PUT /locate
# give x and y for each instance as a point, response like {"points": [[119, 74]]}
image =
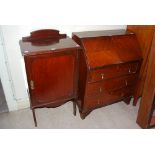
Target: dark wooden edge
{"points": [[121, 63], [86, 113], [152, 122], [135, 100], [42, 52], [57, 102], [128, 32], [79, 42], [83, 70]]}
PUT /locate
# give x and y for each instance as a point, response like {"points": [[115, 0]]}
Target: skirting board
{"points": [[18, 105], [22, 104]]}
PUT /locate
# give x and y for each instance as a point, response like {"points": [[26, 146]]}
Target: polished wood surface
{"points": [[145, 119], [40, 47], [52, 69], [106, 97], [91, 34], [53, 76], [109, 68], [110, 84], [113, 71], [117, 50], [144, 35]]}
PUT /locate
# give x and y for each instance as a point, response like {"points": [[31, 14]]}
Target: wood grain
{"points": [[146, 105], [144, 35], [108, 61], [51, 62]]}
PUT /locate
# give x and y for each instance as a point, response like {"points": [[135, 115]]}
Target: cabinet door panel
{"points": [[52, 76]]}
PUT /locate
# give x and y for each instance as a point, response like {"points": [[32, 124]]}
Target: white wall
{"points": [[4, 77], [11, 37]]}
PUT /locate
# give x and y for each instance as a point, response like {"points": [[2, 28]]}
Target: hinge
{"points": [[32, 84]]}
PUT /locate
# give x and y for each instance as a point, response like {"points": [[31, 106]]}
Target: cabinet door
{"points": [[51, 77]]}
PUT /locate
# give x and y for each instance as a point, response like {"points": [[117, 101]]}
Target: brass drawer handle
{"points": [[32, 84], [126, 82], [100, 89], [129, 70], [132, 72], [102, 76]]}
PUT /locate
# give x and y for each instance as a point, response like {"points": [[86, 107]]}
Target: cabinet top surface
{"points": [[42, 46], [87, 34], [104, 48]]}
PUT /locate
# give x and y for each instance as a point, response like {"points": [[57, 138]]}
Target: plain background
{"points": [[81, 12]]}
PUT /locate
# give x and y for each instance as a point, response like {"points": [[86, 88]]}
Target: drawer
{"points": [[111, 84], [120, 93], [113, 71], [106, 98]]}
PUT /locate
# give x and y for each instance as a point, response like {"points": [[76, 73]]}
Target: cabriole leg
{"points": [[127, 100], [74, 108], [34, 117], [135, 100]]}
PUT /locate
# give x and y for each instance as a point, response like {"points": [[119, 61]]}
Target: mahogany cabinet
{"points": [[146, 115], [109, 66], [144, 35], [51, 62]]}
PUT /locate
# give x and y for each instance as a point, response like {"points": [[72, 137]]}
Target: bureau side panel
{"points": [[83, 71]]}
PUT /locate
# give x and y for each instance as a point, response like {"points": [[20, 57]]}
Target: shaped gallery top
{"points": [[46, 40]]}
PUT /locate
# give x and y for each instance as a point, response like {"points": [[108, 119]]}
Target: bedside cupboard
{"points": [[51, 62]]}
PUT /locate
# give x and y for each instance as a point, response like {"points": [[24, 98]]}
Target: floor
{"points": [[3, 104], [116, 116]]}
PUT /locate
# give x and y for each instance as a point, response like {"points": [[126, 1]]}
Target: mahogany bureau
{"points": [[51, 62], [109, 66]]}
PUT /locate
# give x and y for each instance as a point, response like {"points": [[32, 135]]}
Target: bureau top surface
{"points": [[104, 48], [28, 48], [87, 34]]}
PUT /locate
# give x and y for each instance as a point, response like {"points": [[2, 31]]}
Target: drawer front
{"points": [[113, 71], [111, 84], [106, 98]]}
